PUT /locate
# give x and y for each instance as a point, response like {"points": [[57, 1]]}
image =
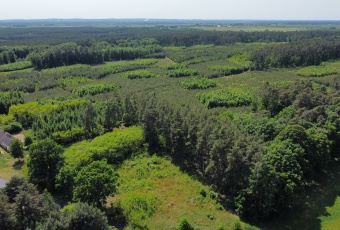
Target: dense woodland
{"points": [[254, 115]]}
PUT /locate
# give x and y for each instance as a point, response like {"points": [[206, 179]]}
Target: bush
{"points": [[94, 89], [181, 72], [69, 136], [138, 207], [16, 66], [220, 98], [28, 141], [230, 69], [197, 83], [184, 224], [139, 74], [13, 127], [316, 71]]}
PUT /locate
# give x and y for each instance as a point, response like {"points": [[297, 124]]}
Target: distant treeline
{"points": [[300, 53], [165, 35]]}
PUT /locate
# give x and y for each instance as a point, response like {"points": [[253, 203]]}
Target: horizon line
{"points": [[183, 19]]}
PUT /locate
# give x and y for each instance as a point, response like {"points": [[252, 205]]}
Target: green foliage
{"points": [[275, 182], [184, 224], [13, 187], [6, 119], [114, 146], [8, 218], [94, 183], [44, 163], [316, 71], [138, 207], [23, 207], [16, 66], [175, 66], [73, 80], [69, 136], [227, 98], [123, 66], [12, 127], [239, 58], [66, 69], [84, 216], [68, 117], [136, 74], [16, 148], [24, 113], [94, 89], [230, 69], [197, 83], [28, 140], [307, 52], [7, 99], [181, 72], [237, 225]]}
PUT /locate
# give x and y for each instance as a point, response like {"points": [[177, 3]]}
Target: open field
{"points": [[175, 195], [9, 167]]}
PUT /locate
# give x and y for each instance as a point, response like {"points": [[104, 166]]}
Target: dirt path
{"points": [[171, 61]]}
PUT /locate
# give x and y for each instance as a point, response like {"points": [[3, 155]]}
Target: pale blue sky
{"points": [[172, 9]]}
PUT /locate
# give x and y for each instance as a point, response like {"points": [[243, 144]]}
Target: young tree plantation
{"points": [[174, 126]]}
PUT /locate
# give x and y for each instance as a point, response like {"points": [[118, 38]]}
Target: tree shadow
{"points": [[313, 205], [18, 164]]}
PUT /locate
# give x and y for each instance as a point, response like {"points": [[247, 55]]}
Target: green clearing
{"points": [[9, 166], [332, 219], [172, 193]]}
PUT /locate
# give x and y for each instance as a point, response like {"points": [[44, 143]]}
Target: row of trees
{"points": [[72, 53]]}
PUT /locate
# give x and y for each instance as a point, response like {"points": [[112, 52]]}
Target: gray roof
{"points": [[5, 139]]}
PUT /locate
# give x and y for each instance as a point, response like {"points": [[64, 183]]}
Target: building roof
{"points": [[5, 139]]}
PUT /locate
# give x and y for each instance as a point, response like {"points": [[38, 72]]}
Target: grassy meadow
{"points": [[169, 195]]}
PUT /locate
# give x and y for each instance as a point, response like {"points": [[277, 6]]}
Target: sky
{"points": [[172, 9]]}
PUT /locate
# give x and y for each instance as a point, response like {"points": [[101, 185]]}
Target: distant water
{"points": [[2, 182]]}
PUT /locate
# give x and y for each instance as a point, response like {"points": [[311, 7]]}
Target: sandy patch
{"points": [[20, 136]]}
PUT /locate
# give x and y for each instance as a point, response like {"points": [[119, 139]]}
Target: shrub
{"points": [[184, 224], [69, 136], [138, 207], [181, 72], [197, 83], [94, 89], [139, 74], [316, 71], [230, 69], [220, 98], [16, 66]]}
